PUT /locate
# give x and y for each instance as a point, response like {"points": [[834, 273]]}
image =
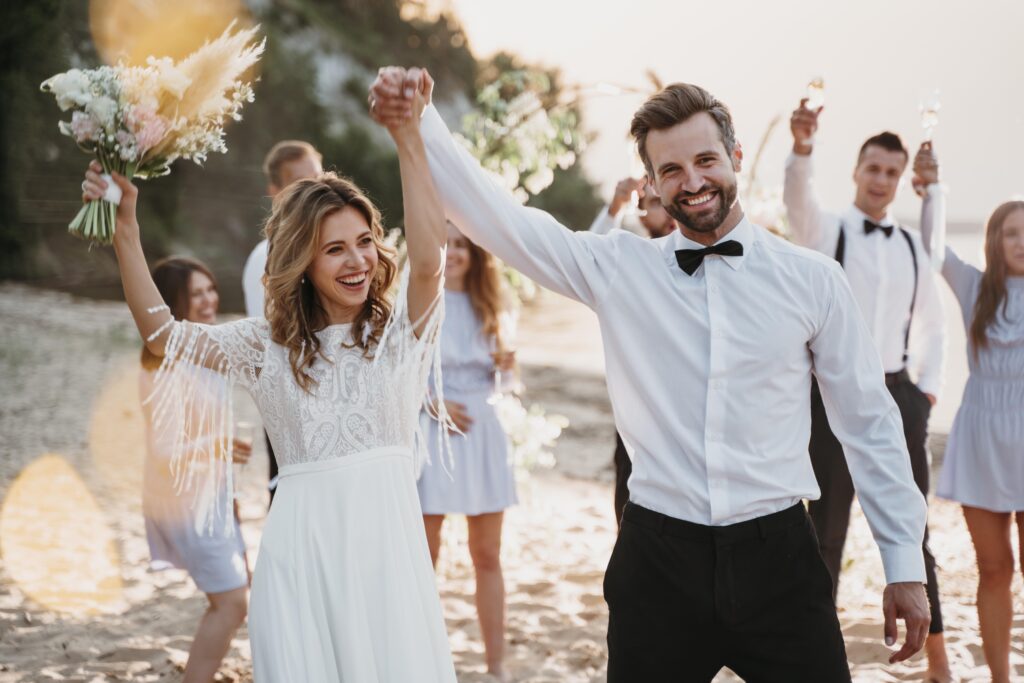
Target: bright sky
{"points": [[757, 56]]}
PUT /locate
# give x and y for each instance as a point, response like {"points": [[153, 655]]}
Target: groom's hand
{"points": [[393, 98], [905, 601]]}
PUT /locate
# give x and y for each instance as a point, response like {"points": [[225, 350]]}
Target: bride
{"points": [[343, 588]]}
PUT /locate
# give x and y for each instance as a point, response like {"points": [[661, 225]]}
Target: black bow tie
{"points": [[870, 227], [690, 259]]}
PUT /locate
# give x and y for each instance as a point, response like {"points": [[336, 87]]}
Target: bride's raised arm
{"points": [[152, 317], [426, 232]]}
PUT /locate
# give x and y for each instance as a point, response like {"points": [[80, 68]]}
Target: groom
{"points": [[716, 564]]}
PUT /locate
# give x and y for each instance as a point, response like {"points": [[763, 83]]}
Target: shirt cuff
{"points": [[798, 161], [903, 564], [931, 385], [936, 190]]}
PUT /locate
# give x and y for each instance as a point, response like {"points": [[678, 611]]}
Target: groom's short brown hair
{"points": [[673, 105]]}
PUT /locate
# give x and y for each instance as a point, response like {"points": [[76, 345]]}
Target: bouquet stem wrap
{"points": [[95, 221]]}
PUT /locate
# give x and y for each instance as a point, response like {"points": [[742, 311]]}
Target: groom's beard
{"points": [[711, 215]]}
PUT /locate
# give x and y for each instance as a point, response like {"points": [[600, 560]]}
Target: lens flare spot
{"points": [[132, 30], [55, 542], [117, 438]]}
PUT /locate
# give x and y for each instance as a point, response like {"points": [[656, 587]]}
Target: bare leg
{"points": [[223, 617], [433, 524], [990, 533], [485, 549], [938, 661]]}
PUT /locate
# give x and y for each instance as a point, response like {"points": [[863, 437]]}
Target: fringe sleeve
{"points": [[417, 360], [187, 399]]}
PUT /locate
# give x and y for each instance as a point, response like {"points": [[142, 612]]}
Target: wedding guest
{"points": [[216, 562], [343, 588], [476, 339], [716, 563], [286, 162], [888, 272], [983, 469], [655, 222]]}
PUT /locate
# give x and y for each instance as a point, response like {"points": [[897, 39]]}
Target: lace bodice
{"points": [[356, 404]]}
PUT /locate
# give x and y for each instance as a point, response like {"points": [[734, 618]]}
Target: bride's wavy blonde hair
{"points": [[293, 235]]}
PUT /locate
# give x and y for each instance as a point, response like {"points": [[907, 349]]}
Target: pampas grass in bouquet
{"points": [[137, 120]]}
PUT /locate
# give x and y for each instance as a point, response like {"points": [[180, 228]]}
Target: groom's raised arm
{"points": [[576, 265]]}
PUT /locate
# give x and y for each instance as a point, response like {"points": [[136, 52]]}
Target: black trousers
{"points": [[831, 513], [685, 600], [623, 468], [273, 466]]}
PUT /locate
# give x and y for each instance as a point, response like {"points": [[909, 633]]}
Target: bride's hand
{"points": [[94, 187], [398, 97]]}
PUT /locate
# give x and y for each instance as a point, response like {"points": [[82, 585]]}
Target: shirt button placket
{"points": [[715, 405]]}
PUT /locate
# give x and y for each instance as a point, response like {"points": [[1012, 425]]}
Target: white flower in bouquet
{"points": [[72, 89], [532, 433], [138, 120]]}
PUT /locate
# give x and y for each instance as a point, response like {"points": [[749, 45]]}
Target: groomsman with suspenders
{"points": [[892, 281], [286, 162], [654, 223]]}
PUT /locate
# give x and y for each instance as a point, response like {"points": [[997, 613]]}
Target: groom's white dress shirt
{"points": [[709, 375]]}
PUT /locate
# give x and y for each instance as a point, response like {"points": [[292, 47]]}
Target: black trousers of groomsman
{"points": [[686, 600], [831, 512]]}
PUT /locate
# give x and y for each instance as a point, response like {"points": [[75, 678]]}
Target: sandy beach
{"points": [[78, 601]]}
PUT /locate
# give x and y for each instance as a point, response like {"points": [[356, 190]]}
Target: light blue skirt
{"points": [[482, 477]]}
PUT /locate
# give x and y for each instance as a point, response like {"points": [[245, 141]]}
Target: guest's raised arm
{"points": [[426, 231], [802, 209], [577, 265], [960, 275]]}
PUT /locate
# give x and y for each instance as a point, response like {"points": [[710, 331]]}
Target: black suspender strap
{"points": [[841, 244], [913, 297], [841, 255]]}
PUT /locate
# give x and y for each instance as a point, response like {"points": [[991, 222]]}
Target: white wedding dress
{"points": [[343, 589]]}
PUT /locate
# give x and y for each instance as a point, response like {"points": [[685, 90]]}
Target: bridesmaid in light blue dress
{"points": [[475, 343], [983, 469], [215, 561]]}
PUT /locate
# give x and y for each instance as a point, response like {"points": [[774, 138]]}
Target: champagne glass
{"points": [[815, 93], [505, 380], [930, 114]]}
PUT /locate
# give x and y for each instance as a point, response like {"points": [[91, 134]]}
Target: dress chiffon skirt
{"points": [[344, 590]]}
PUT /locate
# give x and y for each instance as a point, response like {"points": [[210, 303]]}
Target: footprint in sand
{"points": [[535, 587], [585, 577]]}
